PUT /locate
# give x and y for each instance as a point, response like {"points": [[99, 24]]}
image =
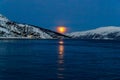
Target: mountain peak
{"points": [[102, 30], [108, 28]]}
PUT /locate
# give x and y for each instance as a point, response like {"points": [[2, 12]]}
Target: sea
{"points": [[70, 59]]}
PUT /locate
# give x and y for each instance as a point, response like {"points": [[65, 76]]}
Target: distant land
{"points": [[102, 33], [14, 30]]}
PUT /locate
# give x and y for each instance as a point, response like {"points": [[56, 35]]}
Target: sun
{"points": [[61, 29]]}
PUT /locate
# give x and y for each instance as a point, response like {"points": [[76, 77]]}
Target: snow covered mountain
{"points": [[10, 29], [110, 32]]}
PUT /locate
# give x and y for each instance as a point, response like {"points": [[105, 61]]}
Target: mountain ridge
{"points": [[10, 29], [109, 32]]}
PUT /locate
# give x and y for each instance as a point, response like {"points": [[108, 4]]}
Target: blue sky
{"points": [[77, 15]]}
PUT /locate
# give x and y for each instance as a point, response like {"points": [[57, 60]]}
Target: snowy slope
{"points": [[110, 32], [10, 29]]}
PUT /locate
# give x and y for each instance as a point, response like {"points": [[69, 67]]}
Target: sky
{"points": [[76, 15]]}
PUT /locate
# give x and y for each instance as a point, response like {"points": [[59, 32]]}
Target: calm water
{"points": [[50, 60]]}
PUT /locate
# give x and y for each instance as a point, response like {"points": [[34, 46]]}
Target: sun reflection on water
{"points": [[61, 60]]}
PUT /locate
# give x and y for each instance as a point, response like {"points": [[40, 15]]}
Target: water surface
{"points": [[55, 60]]}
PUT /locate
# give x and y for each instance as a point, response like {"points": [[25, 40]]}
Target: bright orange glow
{"points": [[61, 29]]}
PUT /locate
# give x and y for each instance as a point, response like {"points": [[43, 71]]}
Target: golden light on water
{"points": [[61, 60], [61, 49], [61, 29], [61, 42]]}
